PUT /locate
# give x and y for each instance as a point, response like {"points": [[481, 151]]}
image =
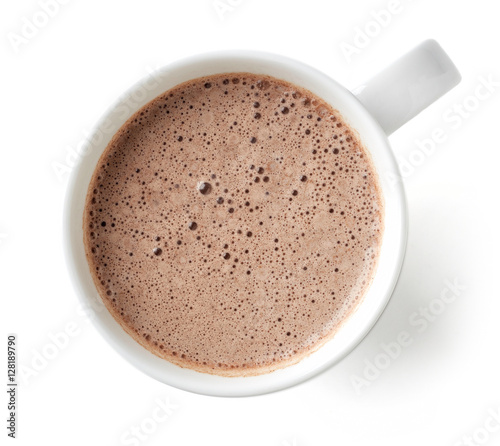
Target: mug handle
{"points": [[407, 86]]}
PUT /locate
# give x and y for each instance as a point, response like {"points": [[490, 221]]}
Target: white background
{"points": [[58, 82]]}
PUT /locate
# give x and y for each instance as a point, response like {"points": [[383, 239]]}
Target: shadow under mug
{"points": [[374, 110]]}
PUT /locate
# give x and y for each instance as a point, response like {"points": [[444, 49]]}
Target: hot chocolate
{"points": [[233, 224]]}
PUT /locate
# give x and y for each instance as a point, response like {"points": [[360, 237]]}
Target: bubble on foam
{"points": [[225, 256], [204, 188]]}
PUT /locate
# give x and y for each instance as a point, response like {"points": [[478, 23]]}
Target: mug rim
{"points": [[215, 385]]}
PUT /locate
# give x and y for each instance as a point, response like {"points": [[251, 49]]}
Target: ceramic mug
{"points": [[374, 110]]}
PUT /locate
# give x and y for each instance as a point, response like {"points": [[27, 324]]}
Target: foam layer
{"points": [[233, 224]]}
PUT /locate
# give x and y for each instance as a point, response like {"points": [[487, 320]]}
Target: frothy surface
{"points": [[233, 223]]}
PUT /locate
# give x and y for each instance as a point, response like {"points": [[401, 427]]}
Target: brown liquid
{"points": [[233, 224]]}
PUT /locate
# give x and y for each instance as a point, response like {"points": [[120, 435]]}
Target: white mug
{"points": [[374, 110]]}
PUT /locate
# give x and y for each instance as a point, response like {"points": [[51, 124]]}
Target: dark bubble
{"points": [[157, 238], [256, 104], [231, 210], [226, 256], [225, 81], [157, 251], [193, 225], [253, 139], [285, 110], [263, 85], [249, 234], [204, 188], [303, 178], [236, 80], [260, 171], [294, 193], [179, 138], [208, 85], [103, 224], [257, 116], [220, 200], [265, 179], [179, 242], [335, 151]]}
